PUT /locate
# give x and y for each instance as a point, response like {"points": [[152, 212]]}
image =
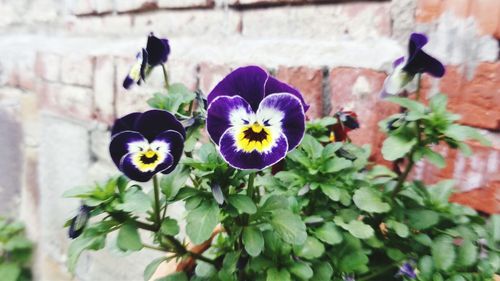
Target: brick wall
{"points": [[61, 74]]}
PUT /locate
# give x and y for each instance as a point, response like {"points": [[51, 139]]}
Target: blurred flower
{"points": [[155, 53], [79, 222], [349, 277], [405, 68], [254, 118], [144, 144], [346, 122], [407, 270]]}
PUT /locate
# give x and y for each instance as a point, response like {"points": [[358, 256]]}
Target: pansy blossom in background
{"points": [[405, 68], [346, 122], [144, 144], [255, 119], [407, 270], [155, 53], [79, 222]]}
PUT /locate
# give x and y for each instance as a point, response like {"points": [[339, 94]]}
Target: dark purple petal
{"points": [[79, 222], [417, 42], [247, 82], [132, 172], [153, 122], [273, 86], [127, 82], [251, 160], [119, 145], [219, 114], [126, 123], [157, 50], [293, 122], [424, 63], [407, 270], [176, 142]]}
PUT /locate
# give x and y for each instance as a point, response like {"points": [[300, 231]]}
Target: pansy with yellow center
{"points": [[255, 119], [144, 144]]}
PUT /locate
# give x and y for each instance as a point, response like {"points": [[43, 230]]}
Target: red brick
{"points": [[77, 70], [104, 89], [486, 14], [309, 81], [210, 74], [428, 10], [48, 66], [69, 101], [135, 5], [460, 8], [485, 199], [358, 90]]}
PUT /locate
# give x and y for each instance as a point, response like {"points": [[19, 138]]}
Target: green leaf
{"points": [[289, 227], [311, 249], [152, 266], [80, 244], [274, 203], [408, 103], [357, 228], [355, 261], [204, 269], [495, 225], [463, 133], [422, 219], [336, 164], [330, 149], [329, 233], [434, 158], [426, 266], [323, 271], [438, 103], [129, 238], [440, 193], [395, 147], [202, 221], [467, 253], [253, 240], [443, 252], [9, 271], [311, 146], [169, 227], [78, 192], [171, 184], [395, 254], [400, 228], [301, 270], [369, 200], [274, 274], [178, 276], [135, 200], [242, 203], [331, 191]]}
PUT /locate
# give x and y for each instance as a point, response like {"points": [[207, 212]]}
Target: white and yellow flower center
{"points": [[147, 156], [256, 131], [135, 71]]}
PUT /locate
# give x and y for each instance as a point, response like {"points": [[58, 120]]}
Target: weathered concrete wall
{"points": [[63, 62]]}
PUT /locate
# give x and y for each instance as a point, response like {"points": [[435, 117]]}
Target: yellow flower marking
{"points": [[147, 160], [254, 137]]}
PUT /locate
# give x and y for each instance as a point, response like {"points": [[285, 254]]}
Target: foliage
{"points": [[15, 251], [329, 214]]}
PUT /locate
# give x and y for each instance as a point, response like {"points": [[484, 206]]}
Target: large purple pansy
{"points": [[254, 118], [144, 144], [405, 68], [155, 53]]}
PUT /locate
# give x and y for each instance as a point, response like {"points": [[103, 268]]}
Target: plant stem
{"points": [[376, 273], [153, 247], [157, 211], [165, 76], [403, 177], [250, 188]]}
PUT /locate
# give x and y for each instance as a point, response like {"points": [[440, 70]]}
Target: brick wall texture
{"points": [[63, 62]]}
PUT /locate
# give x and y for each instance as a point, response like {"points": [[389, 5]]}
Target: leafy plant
{"points": [[15, 251]]}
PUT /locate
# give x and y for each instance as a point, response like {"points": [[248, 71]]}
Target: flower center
{"points": [[254, 137]]}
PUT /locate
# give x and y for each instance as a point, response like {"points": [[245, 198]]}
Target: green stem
{"points": [[376, 273], [250, 188], [165, 76], [157, 211], [153, 247]]}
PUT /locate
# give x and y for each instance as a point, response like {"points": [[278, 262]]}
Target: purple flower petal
{"points": [[417, 42], [129, 167], [419, 61], [274, 86], [126, 123], [284, 110], [153, 122], [120, 142], [254, 160], [157, 49], [223, 112], [247, 82], [176, 142], [398, 62]]}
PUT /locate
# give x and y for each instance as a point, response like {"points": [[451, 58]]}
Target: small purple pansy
{"points": [[405, 68], [255, 119], [144, 144], [407, 270], [155, 53]]}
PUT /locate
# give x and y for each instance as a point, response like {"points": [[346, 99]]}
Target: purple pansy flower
{"points": [[405, 68], [255, 119], [407, 270], [79, 222], [155, 53], [144, 144]]}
